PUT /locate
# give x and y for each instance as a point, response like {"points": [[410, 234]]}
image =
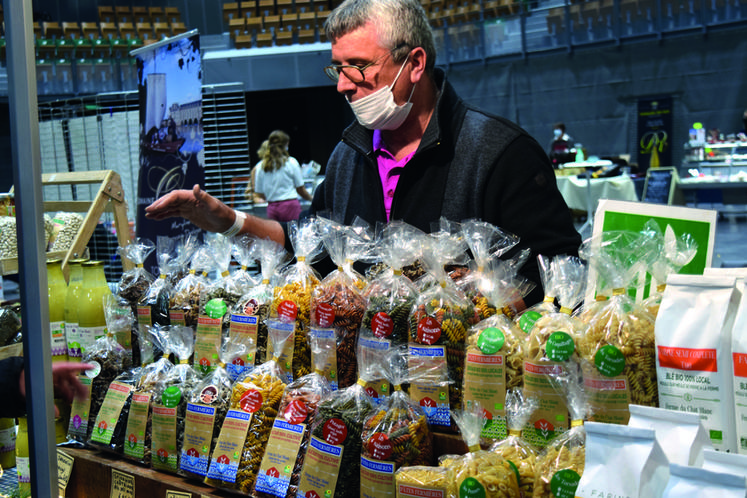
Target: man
{"points": [[416, 151]]}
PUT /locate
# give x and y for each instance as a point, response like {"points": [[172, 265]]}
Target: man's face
{"points": [[361, 47]]}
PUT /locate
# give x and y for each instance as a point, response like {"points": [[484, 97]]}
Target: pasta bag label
{"points": [[287, 311], [285, 358], [419, 491], [377, 389], [108, 416], [377, 477], [321, 468], [485, 381], [563, 483], [137, 425], [551, 417], [283, 446], [325, 315], [382, 325], [224, 463], [243, 330], [429, 330], [610, 398], [143, 315], [78, 426], [163, 439], [207, 343], [471, 488], [198, 435], [429, 362], [528, 319], [327, 341]]}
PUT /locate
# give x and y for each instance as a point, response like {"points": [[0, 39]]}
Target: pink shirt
{"points": [[389, 169]]}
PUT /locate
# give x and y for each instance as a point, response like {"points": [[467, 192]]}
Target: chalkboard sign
{"points": [[659, 186]]}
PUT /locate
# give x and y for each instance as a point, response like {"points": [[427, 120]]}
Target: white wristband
{"points": [[238, 223]]}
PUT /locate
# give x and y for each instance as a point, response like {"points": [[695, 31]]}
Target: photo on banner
{"points": [[172, 150]]}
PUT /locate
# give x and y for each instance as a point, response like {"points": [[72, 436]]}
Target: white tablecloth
{"points": [[619, 188]]}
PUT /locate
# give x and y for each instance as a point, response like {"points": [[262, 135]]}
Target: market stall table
{"points": [[619, 188]]}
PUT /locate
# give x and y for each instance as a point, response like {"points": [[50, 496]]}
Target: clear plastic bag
{"points": [[184, 307], [155, 303], [134, 283], [242, 248]]}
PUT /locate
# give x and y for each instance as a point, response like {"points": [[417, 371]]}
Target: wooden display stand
{"points": [[110, 196]]}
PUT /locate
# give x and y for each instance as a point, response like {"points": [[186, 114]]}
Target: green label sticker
{"points": [[216, 308], [560, 346], [171, 396], [564, 482], [491, 340], [609, 361], [528, 319], [471, 488]]}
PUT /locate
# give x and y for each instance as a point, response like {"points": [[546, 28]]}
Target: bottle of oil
{"points": [[71, 308], [7, 443], [23, 467], [91, 317], [57, 289]]}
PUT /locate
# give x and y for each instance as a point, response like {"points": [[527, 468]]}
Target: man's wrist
{"points": [[238, 224]]}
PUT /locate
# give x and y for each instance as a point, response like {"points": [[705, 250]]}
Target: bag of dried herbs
{"points": [[337, 303], [390, 296], [291, 301], [242, 249], [395, 435], [184, 307], [487, 243], [438, 324], [170, 399], [10, 325], [479, 472], [331, 466], [185, 247], [149, 378], [109, 359], [249, 315], [495, 350], [153, 307], [514, 448], [206, 411], [255, 399], [552, 344], [281, 465], [120, 322], [134, 283], [215, 301]]}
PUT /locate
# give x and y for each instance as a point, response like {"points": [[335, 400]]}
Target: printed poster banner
{"points": [[654, 132], [172, 151]]}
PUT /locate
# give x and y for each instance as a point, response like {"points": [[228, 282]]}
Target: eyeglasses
{"points": [[355, 73]]}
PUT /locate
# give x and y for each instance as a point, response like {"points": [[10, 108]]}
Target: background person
{"points": [[278, 179], [560, 146], [416, 151]]}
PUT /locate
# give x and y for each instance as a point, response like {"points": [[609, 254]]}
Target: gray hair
{"points": [[398, 23]]}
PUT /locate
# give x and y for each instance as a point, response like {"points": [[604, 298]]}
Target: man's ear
{"points": [[417, 60]]}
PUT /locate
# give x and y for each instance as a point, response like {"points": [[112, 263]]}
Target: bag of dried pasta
{"points": [[494, 360], [206, 410], [184, 307], [291, 301], [153, 307], [337, 303], [618, 342], [486, 242], [134, 283], [420, 480], [479, 472], [332, 463], [550, 345], [514, 448], [249, 315], [673, 253], [149, 377], [527, 318], [438, 325], [280, 470], [171, 398], [395, 435], [255, 399], [242, 248], [559, 466]]}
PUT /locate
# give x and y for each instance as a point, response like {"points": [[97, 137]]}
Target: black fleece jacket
{"points": [[469, 165]]}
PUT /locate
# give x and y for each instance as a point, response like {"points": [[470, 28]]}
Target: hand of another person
{"points": [[67, 386], [195, 205]]}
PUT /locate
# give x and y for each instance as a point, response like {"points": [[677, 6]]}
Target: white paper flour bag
{"points": [[680, 434], [729, 463], [694, 482], [693, 347], [739, 359], [622, 461]]}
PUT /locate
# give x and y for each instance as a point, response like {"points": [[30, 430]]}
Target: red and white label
{"points": [[335, 431], [700, 360], [382, 325], [325, 315], [429, 330], [740, 364], [379, 446], [287, 311], [251, 401], [296, 412], [371, 392]]}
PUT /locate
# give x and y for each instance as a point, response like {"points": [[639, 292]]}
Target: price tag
{"points": [[64, 470], [123, 485], [178, 494]]}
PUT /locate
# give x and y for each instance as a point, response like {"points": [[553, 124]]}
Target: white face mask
{"points": [[378, 111], [556, 132]]}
